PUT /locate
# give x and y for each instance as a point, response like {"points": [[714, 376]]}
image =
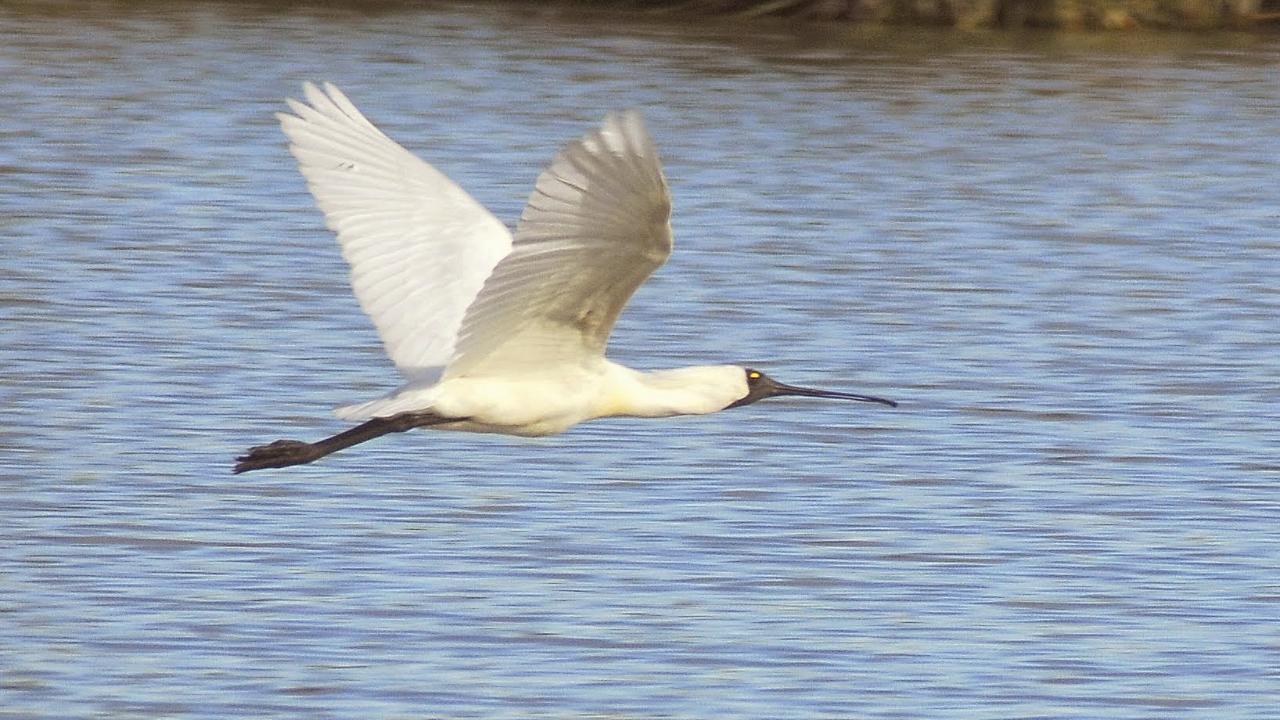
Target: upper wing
{"points": [[596, 226], [419, 246]]}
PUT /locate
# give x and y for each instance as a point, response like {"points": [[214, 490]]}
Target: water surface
{"points": [[1058, 253]]}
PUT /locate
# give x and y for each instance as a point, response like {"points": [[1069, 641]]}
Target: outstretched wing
{"points": [[596, 226], [419, 246]]}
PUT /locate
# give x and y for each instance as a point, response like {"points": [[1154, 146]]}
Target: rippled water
{"points": [[1060, 253]]}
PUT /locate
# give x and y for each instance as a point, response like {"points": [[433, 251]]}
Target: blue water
{"points": [[1061, 254]]}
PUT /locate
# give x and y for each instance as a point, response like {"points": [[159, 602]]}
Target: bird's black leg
{"points": [[283, 453]]}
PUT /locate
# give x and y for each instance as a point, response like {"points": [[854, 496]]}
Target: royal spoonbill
{"points": [[495, 333]]}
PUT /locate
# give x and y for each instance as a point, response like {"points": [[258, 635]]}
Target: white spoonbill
{"points": [[495, 333]]}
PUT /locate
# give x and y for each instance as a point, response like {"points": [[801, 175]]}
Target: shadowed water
{"points": [[1060, 254]]}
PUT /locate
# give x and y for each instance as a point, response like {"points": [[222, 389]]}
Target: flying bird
{"points": [[493, 332]]}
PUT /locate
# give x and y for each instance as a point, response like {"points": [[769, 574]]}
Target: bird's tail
{"points": [[410, 398]]}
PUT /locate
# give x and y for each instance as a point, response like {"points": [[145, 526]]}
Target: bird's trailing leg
{"points": [[283, 453]]}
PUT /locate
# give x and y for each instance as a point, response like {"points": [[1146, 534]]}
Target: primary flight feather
{"points": [[495, 333]]}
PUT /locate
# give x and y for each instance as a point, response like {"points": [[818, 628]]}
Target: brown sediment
{"points": [[974, 14]]}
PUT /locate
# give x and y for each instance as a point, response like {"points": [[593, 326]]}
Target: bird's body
{"points": [[493, 332], [548, 401]]}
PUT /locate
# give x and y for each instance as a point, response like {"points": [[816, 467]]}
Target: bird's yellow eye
{"points": [[754, 375]]}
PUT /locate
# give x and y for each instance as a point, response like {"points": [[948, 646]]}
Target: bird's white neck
{"points": [[663, 393]]}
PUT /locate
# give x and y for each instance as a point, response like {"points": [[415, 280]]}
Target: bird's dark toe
{"points": [[281, 453]]}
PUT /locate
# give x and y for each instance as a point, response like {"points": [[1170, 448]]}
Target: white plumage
{"points": [[419, 246], [495, 333]]}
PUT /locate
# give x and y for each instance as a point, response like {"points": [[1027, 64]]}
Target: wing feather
{"points": [[595, 228], [418, 245]]}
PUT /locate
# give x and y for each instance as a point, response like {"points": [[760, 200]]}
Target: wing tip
{"points": [[323, 96], [629, 126]]}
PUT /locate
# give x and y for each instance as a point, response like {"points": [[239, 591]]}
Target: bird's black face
{"points": [[761, 386]]}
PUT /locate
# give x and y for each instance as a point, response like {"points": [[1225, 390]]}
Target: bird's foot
{"points": [[281, 453]]}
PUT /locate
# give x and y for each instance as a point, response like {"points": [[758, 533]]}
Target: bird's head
{"points": [[760, 386]]}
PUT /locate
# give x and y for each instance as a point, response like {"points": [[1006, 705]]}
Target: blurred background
{"points": [[1058, 251]]}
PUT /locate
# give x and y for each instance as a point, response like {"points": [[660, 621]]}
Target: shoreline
{"points": [[1069, 15]]}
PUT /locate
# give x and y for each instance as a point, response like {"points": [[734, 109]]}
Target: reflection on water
{"points": [[1058, 252]]}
